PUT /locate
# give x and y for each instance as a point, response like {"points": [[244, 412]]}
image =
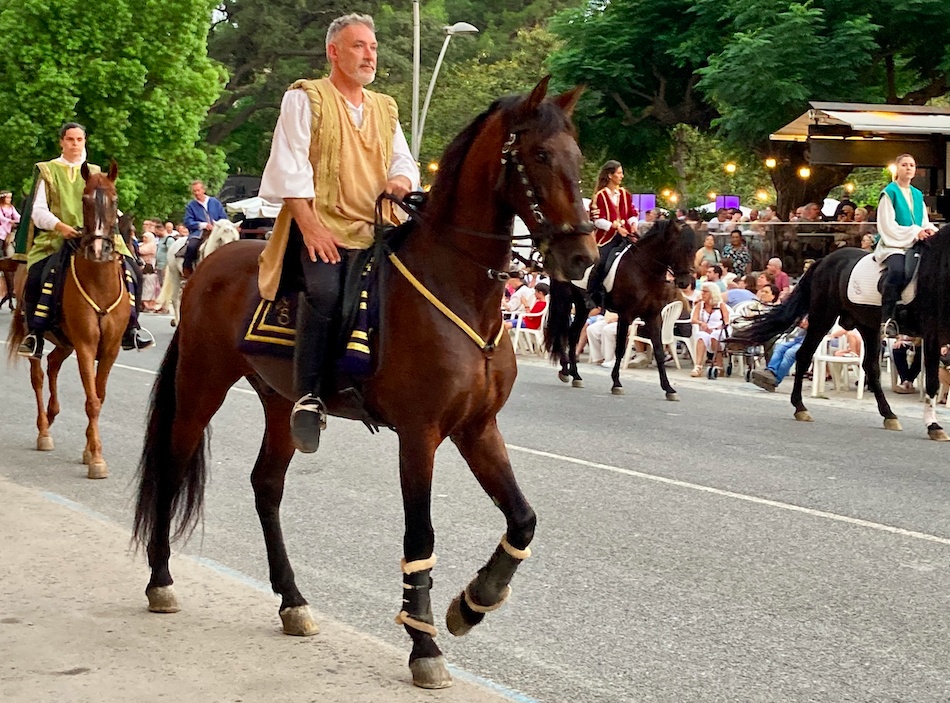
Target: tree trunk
{"points": [[680, 151], [792, 190]]}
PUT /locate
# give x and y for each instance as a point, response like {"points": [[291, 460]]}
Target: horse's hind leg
{"points": [[277, 449], [931, 352], [44, 441], [416, 457], [54, 363], [484, 450], [197, 392], [817, 329]]}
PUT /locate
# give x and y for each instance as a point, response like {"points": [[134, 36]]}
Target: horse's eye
{"points": [[542, 157]]}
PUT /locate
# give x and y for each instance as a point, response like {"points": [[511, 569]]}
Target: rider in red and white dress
{"points": [[615, 222]]}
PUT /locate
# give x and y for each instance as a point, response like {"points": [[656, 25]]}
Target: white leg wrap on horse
{"points": [[405, 618], [486, 608], [514, 552], [412, 567], [930, 411]]}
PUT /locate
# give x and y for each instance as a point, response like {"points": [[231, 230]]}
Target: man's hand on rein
{"points": [[400, 186]]}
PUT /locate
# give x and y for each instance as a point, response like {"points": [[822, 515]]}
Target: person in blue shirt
{"points": [[200, 216]]}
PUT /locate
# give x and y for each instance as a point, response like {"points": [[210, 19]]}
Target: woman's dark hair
{"points": [[68, 126], [606, 171], [774, 289], [750, 283], [543, 288]]}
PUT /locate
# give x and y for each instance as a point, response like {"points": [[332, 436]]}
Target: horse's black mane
{"points": [[659, 230], [548, 119], [933, 278]]}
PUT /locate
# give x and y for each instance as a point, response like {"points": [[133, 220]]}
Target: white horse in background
{"points": [[223, 232]]}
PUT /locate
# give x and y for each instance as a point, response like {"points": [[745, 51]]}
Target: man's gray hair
{"points": [[341, 23]]}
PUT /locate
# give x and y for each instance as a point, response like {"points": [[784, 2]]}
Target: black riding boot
{"points": [[37, 275], [596, 294], [891, 294], [132, 339], [889, 299], [309, 416]]}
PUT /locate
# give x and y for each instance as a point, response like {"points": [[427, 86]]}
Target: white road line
{"points": [[155, 373], [737, 496], [880, 527]]}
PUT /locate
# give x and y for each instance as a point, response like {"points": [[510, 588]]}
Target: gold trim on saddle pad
{"points": [[260, 331]]}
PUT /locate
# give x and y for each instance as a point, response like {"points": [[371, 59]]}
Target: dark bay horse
{"points": [[821, 294], [519, 157], [95, 313], [641, 289]]}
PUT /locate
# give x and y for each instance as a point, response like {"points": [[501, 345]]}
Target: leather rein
{"points": [[510, 156]]}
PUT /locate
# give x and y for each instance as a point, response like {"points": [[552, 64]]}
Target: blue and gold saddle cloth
{"points": [[271, 325]]}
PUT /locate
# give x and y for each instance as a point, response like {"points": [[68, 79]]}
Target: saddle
{"points": [[271, 325], [611, 265], [866, 280]]}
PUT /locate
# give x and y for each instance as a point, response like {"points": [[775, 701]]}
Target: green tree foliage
{"points": [[744, 68], [266, 45], [136, 75]]}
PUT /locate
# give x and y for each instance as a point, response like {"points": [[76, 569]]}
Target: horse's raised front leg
{"points": [[416, 457], [93, 451], [623, 327], [654, 332], [484, 450], [871, 338], [931, 352], [44, 441], [267, 479]]}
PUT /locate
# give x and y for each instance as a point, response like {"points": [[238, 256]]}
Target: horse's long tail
{"points": [[17, 334], [171, 486], [557, 331], [780, 318]]}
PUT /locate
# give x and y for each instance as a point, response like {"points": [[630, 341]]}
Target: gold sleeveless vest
{"points": [[350, 170]]}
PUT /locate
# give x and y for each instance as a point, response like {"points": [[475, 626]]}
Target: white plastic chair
{"points": [[688, 342], [531, 339], [825, 361], [668, 317]]}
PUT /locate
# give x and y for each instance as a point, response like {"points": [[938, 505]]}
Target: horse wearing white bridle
{"points": [[223, 232]]}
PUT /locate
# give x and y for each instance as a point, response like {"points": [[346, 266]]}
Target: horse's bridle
{"points": [[510, 156]]}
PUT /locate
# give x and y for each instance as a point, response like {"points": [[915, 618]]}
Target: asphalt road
{"points": [[707, 550]]}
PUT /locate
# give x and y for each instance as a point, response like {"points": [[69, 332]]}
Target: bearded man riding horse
{"points": [[56, 215], [442, 277]]}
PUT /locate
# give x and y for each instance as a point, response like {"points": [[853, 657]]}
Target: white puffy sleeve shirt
{"points": [[895, 238], [289, 173]]}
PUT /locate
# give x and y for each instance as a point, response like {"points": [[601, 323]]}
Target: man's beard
{"points": [[366, 75]]}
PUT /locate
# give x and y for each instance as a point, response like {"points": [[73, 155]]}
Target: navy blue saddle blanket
{"points": [[270, 327]]}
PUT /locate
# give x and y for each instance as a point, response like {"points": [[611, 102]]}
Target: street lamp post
{"points": [[419, 121]]}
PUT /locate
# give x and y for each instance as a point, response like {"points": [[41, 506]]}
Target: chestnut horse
{"points": [[519, 157], [95, 312]]}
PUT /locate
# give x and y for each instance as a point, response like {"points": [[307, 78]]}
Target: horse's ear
{"points": [[113, 170], [537, 95], [567, 101], [84, 171]]}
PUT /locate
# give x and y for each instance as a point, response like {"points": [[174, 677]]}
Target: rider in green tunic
{"points": [[55, 216]]}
